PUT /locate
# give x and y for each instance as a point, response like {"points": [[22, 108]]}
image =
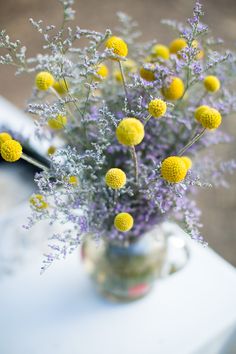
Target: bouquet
{"points": [[125, 123]]}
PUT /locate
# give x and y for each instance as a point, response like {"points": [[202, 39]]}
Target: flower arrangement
{"points": [[131, 119]]}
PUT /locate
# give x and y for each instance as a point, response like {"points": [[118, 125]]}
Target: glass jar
{"points": [[125, 271]]}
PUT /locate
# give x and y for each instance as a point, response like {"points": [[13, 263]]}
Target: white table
{"points": [[190, 312]]}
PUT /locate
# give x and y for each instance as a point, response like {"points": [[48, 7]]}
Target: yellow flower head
{"points": [[38, 202], [176, 45], [115, 178], [57, 123], [173, 169], [147, 74], [130, 132], [187, 161], [129, 65], [212, 83], [123, 222], [157, 108], [117, 75], [102, 70], [161, 51], [210, 118], [175, 90], [118, 46], [44, 80], [200, 54], [198, 112], [11, 150], [73, 180], [51, 150], [61, 86], [4, 137]]}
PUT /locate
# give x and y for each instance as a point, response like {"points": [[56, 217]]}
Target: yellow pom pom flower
{"points": [[161, 51], [147, 74], [123, 222], [118, 46], [115, 178], [117, 75], [51, 150], [210, 118], [61, 86], [130, 132], [73, 180], [187, 161], [175, 90], [157, 108], [212, 83], [44, 80], [176, 45], [11, 150], [199, 111], [57, 123], [173, 169], [4, 137], [38, 202], [200, 54], [102, 70]]}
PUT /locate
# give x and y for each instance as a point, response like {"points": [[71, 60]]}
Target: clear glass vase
{"points": [[125, 271]]}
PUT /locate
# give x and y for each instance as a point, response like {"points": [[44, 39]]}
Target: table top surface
{"points": [[60, 312]]}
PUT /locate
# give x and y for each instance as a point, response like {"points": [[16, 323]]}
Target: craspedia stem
{"points": [[135, 160], [34, 162], [193, 141], [123, 80], [146, 120]]}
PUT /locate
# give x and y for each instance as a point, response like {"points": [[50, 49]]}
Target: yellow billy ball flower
{"points": [[4, 137], [115, 178], [130, 132], [11, 150], [200, 54], [118, 46], [161, 51], [198, 112], [175, 90], [176, 45], [117, 75], [73, 180], [187, 161], [157, 108], [38, 202], [123, 222], [44, 80], [212, 83], [102, 70], [173, 169], [211, 118], [147, 74], [61, 86], [51, 150], [57, 123]]}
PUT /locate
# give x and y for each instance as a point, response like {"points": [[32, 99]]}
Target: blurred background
{"points": [[218, 207]]}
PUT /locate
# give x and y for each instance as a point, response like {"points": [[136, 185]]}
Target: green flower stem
{"points": [[147, 119], [193, 141], [135, 160], [34, 162], [123, 79]]}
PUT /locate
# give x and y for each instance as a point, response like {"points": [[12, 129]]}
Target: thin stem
{"points": [[123, 80], [115, 197], [147, 119], [193, 141], [135, 160], [34, 162]]}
